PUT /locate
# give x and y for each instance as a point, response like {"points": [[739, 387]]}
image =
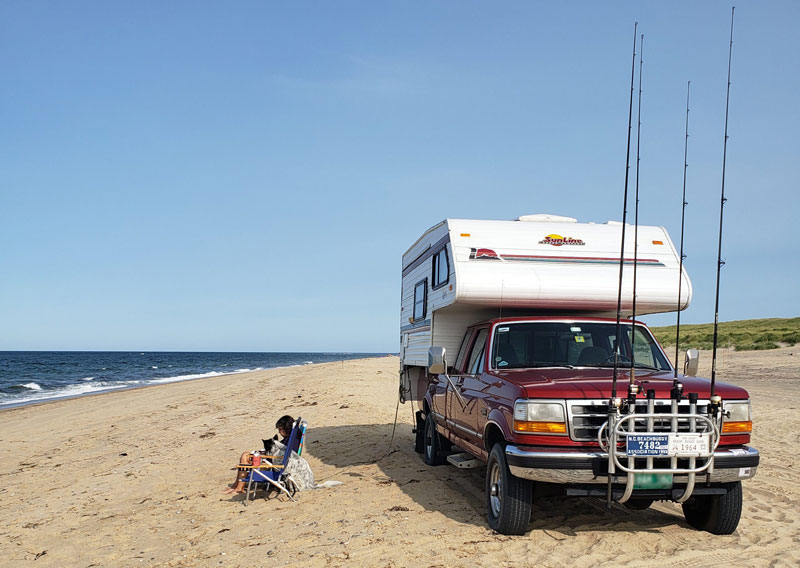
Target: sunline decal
{"points": [[489, 254], [558, 240]]}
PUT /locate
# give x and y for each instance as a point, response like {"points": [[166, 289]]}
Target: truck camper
{"points": [[511, 352]]}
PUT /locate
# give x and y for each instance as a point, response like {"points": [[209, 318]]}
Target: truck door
{"points": [[439, 398], [440, 388], [462, 393]]}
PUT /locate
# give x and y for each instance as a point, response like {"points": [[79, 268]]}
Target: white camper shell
{"points": [[461, 271]]}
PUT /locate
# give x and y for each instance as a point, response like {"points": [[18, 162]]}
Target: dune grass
{"points": [[742, 335]]}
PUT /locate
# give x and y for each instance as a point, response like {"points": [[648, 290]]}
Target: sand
{"points": [[135, 478]]}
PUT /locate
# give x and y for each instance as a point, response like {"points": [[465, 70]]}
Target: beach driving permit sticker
{"points": [[578, 339]]}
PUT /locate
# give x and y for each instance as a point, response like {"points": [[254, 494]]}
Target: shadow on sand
{"points": [[459, 493]]}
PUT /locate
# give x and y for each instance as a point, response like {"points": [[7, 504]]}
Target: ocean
{"points": [[36, 376]]}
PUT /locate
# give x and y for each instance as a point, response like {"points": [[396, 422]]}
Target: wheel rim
{"points": [[495, 490]]}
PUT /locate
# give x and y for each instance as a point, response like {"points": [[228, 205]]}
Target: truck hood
{"points": [[596, 383]]}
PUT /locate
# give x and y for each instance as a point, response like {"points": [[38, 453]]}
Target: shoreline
{"points": [[124, 388], [163, 382]]}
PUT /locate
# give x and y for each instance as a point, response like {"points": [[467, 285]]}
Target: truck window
{"points": [[420, 299], [440, 272], [476, 355], [643, 347], [462, 351], [583, 344]]}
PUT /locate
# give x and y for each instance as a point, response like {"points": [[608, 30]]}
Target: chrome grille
{"points": [[587, 416]]}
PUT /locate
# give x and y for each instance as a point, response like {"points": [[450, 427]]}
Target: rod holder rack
{"points": [[620, 426]]}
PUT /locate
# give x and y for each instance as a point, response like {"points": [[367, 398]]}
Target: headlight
{"points": [[532, 417], [737, 418]]}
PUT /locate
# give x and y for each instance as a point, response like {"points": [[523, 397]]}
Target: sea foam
{"points": [[67, 391], [179, 378]]}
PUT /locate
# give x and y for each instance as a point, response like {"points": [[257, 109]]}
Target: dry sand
{"points": [[134, 479]]}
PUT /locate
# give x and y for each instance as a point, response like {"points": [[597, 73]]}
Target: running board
{"points": [[463, 460]]}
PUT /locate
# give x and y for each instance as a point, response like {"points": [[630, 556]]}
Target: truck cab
{"points": [[530, 397]]}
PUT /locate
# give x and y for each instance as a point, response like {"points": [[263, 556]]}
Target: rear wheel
{"points": [[717, 514], [508, 498], [433, 445], [419, 436]]}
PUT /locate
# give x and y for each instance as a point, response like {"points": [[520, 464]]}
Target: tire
{"points": [[432, 443], [717, 514], [508, 498], [419, 437], [638, 504]]}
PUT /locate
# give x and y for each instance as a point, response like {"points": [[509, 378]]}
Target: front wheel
{"points": [[508, 498], [717, 514]]}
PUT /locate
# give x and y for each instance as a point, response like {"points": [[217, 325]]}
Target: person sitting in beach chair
{"points": [[284, 471], [284, 426]]}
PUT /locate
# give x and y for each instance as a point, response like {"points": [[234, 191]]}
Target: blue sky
{"points": [[245, 176]]}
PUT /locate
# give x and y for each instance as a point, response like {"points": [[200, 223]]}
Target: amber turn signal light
{"points": [[540, 427], [737, 427]]}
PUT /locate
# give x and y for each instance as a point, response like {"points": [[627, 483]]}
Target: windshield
{"points": [[574, 344]]}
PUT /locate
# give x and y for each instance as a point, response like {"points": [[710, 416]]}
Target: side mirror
{"points": [[437, 363], [691, 362]]}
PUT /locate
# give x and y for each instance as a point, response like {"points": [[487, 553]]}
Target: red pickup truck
{"points": [[530, 397]]}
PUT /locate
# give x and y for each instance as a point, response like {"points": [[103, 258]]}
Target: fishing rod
{"points": [[613, 403], [632, 385], [722, 202], [683, 218], [624, 218]]}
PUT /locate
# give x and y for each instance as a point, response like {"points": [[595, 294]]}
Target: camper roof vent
{"points": [[546, 218]]}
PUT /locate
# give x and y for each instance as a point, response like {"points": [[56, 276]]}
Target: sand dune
{"points": [[134, 479]]}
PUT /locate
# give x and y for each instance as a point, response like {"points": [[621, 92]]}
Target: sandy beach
{"points": [[135, 478]]}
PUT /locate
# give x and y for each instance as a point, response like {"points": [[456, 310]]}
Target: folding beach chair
{"points": [[270, 475]]}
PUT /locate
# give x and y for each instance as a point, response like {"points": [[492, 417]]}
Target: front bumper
{"points": [[565, 466]]}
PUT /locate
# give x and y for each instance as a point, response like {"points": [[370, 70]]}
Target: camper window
{"points": [[440, 272], [420, 300]]}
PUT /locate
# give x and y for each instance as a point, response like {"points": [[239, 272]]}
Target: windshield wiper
{"points": [[650, 367], [539, 366], [625, 365]]}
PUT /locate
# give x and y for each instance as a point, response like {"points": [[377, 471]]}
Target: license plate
{"points": [[652, 481], [672, 445], [647, 444], [688, 445]]}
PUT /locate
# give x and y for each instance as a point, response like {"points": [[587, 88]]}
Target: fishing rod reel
{"points": [[715, 406], [677, 390], [633, 390]]}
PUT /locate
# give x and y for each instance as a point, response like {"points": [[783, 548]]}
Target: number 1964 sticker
{"points": [[685, 445]]}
